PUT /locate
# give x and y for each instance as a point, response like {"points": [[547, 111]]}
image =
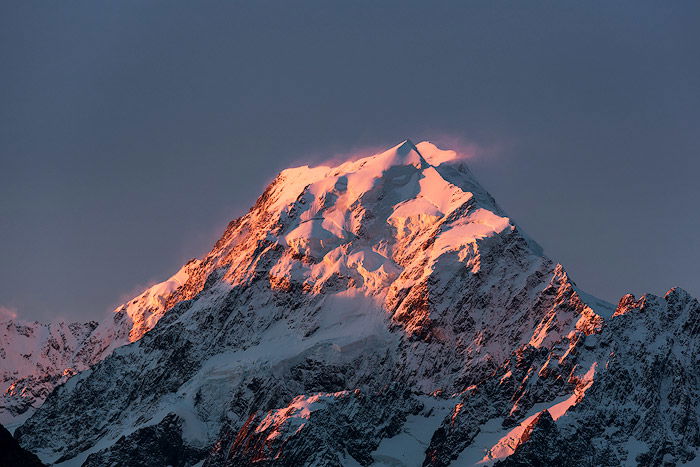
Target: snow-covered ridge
{"points": [[384, 301], [36, 357]]}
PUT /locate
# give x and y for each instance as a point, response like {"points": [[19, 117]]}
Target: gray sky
{"points": [[131, 132]]}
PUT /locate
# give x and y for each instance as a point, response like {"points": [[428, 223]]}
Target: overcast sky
{"points": [[131, 132]]}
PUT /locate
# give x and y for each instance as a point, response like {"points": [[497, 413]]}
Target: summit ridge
{"points": [[384, 311]]}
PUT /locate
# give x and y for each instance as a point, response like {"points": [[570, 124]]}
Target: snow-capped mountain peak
{"points": [[382, 311]]}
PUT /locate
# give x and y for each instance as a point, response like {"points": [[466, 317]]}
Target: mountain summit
{"points": [[385, 311]]}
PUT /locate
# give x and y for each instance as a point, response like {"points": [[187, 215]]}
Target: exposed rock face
{"points": [[384, 311], [620, 395], [36, 357], [159, 444], [338, 423]]}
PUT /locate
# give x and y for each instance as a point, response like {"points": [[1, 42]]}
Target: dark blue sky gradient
{"points": [[131, 132]]}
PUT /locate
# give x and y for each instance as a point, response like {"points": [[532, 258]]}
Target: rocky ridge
{"points": [[36, 357], [385, 311]]}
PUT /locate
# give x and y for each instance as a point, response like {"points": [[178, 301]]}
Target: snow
{"points": [[293, 417], [494, 442], [316, 237], [436, 156], [417, 207], [558, 410], [482, 223], [635, 447], [407, 449], [350, 324], [601, 307], [342, 248], [59, 349], [146, 309]]}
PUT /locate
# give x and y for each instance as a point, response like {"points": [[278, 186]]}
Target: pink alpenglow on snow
{"points": [[379, 311]]}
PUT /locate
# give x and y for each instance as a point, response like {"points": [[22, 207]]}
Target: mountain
{"points": [[385, 311], [11, 453], [36, 357]]}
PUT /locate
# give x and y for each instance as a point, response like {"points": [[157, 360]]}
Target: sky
{"points": [[132, 132]]}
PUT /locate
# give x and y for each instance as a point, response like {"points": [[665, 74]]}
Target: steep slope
{"points": [[382, 311], [12, 454], [36, 357], [626, 395]]}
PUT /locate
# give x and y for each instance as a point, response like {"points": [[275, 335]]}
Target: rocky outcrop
{"points": [[384, 311], [159, 444], [619, 395], [36, 357]]}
